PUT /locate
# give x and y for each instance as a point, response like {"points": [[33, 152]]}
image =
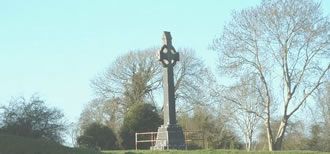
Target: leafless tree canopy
{"points": [[244, 108], [193, 80], [136, 77], [286, 43], [136, 65]]}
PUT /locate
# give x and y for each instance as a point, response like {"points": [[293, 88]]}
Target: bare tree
{"points": [[132, 78], [136, 78], [286, 44], [244, 107], [213, 127], [323, 99], [193, 81], [295, 138], [323, 108], [106, 112], [72, 133]]}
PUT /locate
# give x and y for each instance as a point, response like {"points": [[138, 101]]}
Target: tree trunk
{"points": [[269, 135], [249, 142], [277, 145]]}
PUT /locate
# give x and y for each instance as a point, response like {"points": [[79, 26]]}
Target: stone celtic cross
{"points": [[169, 135], [167, 54], [168, 57]]}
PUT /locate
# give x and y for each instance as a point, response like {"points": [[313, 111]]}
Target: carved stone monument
{"points": [[169, 135]]}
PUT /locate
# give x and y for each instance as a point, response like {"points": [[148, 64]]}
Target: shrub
{"points": [[97, 136], [140, 118], [32, 118]]}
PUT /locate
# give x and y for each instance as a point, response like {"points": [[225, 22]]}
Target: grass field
{"points": [[20, 145], [208, 152]]}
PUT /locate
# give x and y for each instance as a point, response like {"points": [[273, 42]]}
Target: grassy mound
{"points": [[208, 152], [10, 144]]}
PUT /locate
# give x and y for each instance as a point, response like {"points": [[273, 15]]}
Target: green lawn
{"points": [[10, 144], [207, 152], [20, 145]]}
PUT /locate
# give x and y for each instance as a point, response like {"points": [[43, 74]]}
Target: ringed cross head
{"points": [[167, 54]]}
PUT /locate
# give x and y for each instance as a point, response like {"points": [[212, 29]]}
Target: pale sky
{"points": [[54, 48]]}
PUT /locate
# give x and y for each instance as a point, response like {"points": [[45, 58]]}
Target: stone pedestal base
{"points": [[169, 137]]}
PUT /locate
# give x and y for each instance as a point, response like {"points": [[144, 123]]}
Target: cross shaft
{"points": [[168, 57], [169, 135]]}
